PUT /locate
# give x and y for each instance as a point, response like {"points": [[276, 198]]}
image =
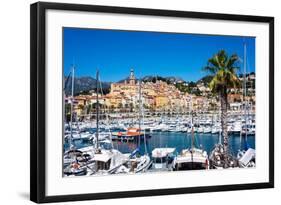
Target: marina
{"points": [[177, 141], [95, 145]]}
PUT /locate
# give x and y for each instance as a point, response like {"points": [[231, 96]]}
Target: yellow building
{"points": [[161, 101], [113, 101], [155, 95]]}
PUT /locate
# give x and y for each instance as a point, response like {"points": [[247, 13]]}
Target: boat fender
{"points": [[75, 165]]}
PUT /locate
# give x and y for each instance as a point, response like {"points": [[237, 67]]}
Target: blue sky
{"points": [[115, 52]]}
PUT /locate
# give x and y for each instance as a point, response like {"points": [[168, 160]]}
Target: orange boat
{"points": [[134, 132], [131, 134]]}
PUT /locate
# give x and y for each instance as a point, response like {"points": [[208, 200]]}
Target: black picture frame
{"points": [[38, 100]]}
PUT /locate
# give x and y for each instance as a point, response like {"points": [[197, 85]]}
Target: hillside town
{"points": [[160, 96]]}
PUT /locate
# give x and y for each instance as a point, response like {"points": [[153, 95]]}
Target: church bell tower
{"points": [[132, 78]]}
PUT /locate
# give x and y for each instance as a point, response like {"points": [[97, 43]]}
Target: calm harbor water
{"points": [[177, 140]]}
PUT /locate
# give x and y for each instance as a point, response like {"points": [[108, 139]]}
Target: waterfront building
{"points": [[160, 96]]}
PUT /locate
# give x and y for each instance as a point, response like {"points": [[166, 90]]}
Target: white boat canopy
{"points": [[196, 156], [102, 157], [162, 152]]}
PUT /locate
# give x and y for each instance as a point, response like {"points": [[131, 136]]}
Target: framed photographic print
{"points": [[129, 102]]}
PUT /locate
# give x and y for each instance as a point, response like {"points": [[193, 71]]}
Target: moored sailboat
{"points": [[71, 156], [192, 158], [95, 159], [246, 157]]}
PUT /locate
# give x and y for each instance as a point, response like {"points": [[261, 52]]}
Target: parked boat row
{"points": [[130, 131]]}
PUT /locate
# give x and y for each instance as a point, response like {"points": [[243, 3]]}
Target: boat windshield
{"points": [[190, 166], [160, 160]]}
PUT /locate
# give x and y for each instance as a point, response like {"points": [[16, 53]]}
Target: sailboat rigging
{"points": [[246, 156], [192, 158]]}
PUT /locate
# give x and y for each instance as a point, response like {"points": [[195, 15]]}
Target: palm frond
{"points": [[224, 69], [209, 68]]}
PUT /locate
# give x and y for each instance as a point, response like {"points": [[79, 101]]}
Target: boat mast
{"points": [[97, 109], [192, 135], [141, 117], [245, 88], [192, 131], [192, 126], [139, 111], [106, 114], [71, 108]]}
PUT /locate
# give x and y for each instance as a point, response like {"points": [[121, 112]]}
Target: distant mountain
{"points": [[175, 79], [84, 85]]}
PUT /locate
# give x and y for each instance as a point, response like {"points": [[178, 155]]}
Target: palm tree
{"points": [[223, 68]]}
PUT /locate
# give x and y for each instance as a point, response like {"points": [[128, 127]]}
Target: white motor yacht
{"points": [[191, 159], [163, 158]]}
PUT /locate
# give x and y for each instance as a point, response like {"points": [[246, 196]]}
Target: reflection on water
{"points": [[177, 140]]}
